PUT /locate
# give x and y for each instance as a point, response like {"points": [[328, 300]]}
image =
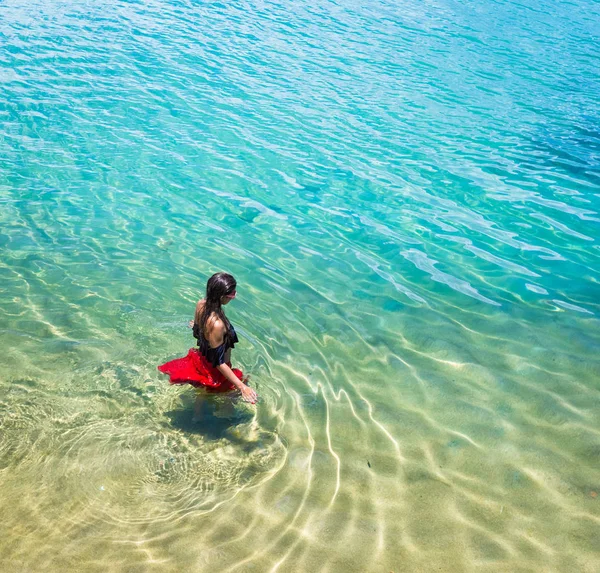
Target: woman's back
{"points": [[215, 338]]}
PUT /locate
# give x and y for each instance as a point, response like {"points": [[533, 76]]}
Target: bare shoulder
{"points": [[215, 331], [215, 325]]}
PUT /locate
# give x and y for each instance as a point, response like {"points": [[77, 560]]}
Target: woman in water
{"points": [[209, 366]]}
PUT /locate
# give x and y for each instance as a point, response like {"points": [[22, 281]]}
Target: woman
{"points": [[209, 366]]}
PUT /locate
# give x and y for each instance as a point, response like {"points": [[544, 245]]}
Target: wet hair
{"points": [[218, 286]]}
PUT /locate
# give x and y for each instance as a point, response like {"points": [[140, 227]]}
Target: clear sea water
{"points": [[409, 196]]}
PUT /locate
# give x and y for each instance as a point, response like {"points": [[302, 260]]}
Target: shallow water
{"points": [[409, 196]]}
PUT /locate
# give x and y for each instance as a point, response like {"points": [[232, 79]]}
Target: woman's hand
{"points": [[248, 394], [191, 324]]}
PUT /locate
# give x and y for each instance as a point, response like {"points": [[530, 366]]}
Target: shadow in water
{"points": [[208, 424]]}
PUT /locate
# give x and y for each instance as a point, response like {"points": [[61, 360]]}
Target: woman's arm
{"points": [[248, 394], [216, 336]]}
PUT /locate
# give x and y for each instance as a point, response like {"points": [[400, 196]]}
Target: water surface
{"points": [[409, 196]]}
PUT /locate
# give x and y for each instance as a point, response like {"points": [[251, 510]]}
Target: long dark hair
{"points": [[218, 286]]}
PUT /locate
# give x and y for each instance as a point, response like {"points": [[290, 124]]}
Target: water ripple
{"points": [[408, 196]]}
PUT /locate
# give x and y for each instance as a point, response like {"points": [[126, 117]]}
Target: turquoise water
{"points": [[409, 196]]}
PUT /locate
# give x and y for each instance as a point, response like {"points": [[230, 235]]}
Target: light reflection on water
{"points": [[408, 197]]}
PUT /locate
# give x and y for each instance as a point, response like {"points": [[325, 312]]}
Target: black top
{"points": [[215, 356]]}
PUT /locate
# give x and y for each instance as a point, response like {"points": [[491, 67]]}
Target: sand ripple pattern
{"points": [[408, 194]]}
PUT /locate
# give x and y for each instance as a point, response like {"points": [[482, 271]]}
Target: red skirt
{"points": [[194, 369]]}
